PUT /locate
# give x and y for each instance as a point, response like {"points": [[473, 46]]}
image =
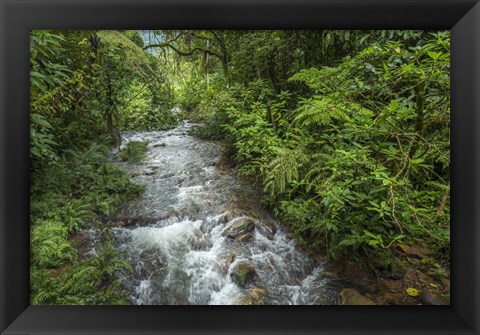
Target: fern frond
{"points": [[283, 169], [315, 79], [44, 297]]}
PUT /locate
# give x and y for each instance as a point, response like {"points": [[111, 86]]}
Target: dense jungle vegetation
{"points": [[346, 132]]}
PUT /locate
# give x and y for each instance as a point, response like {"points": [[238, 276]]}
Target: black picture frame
{"points": [[18, 17]]}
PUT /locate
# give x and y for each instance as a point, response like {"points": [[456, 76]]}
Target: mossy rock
{"points": [[239, 227], [243, 274]]}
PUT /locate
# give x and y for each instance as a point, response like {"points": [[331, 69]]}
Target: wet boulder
{"points": [[182, 302], [244, 237], [139, 220], [230, 259], [167, 175], [255, 296], [267, 229], [429, 299], [349, 296], [243, 274], [228, 262], [225, 218], [119, 224], [239, 227]]}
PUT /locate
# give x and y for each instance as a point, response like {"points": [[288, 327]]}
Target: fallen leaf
{"points": [[413, 292]]}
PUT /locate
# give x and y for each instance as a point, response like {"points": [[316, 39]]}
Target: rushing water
{"points": [[173, 235]]}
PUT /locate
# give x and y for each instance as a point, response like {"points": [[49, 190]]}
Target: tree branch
{"points": [[181, 52]]}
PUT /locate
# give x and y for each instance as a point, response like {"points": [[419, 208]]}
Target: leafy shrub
{"points": [[140, 112], [362, 131], [191, 96]]}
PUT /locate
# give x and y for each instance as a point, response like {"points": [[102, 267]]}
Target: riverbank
{"points": [[417, 279], [201, 225], [71, 203]]}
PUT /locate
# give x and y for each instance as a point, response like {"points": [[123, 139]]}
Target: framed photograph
{"points": [[203, 166]]}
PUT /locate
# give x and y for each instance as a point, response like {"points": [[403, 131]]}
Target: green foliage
{"points": [[368, 119], [42, 144], [284, 169], [136, 37], [192, 94], [252, 138], [86, 85], [139, 112], [67, 197], [134, 151], [347, 131], [82, 86], [135, 60], [355, 155], [49, 246], [213, 127], [44, 71], [86, 282], [45, 74]]}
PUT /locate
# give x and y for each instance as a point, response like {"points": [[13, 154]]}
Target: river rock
{"points": [[243, 274], [255, 297], [119, 224], [244, 237], [230, 259], [225, 218], [239, 227], [167, 175], [429, 299], [267, 229], [349, 296], [182, 302], [135, 220]]}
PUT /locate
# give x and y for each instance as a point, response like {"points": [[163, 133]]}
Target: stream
{"points": [[179, 234]]}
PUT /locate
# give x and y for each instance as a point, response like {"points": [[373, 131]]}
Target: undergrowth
{"points": [[81, 192]]}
